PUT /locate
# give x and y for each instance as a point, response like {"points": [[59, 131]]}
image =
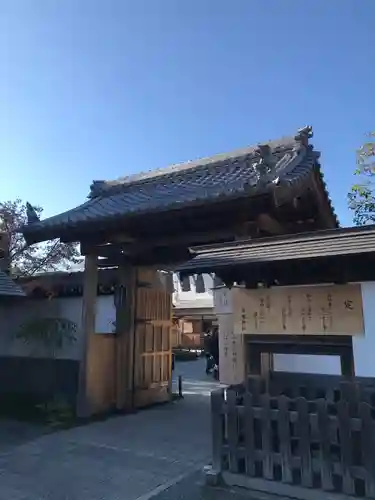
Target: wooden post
{"points": [[347, 363], [217, 399], [90, 285], [125, 337]]}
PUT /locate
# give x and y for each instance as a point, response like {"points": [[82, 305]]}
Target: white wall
{"points": [[304, 363], [364, 346], [13, 314], [105, 314]]}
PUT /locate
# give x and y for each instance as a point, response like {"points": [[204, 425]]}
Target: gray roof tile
{"points": [[332, 242], [8, 287], [231, 175]]}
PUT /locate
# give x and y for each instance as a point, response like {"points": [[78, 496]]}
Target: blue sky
{"points": [[94, 89]]}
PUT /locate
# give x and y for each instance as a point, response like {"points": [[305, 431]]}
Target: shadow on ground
{"points": [[192, 488], [14, 433], [122, 458]]}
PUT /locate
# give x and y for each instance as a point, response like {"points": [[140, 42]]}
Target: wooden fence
{"points": [[318, 441]]}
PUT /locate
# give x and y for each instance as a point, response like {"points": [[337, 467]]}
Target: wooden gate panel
{"points": [[153, 354], [100, 377]]}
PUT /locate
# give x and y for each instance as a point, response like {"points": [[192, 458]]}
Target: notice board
{"points": [[305, 310]]}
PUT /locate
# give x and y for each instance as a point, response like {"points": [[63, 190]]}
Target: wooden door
{"points": [[153, 353]]}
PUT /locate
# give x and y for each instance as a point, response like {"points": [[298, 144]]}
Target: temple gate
{"points": [[150, 220]]}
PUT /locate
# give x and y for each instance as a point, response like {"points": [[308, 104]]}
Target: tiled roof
{"points": [[331, 242], [8, 287], [226, 176], [66, 283], [194, 168], [71, 283]]}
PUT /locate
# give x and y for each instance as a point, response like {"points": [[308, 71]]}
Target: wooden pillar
{"points": [[347, 363], [255, 360], [125, 337], [90, 285]]}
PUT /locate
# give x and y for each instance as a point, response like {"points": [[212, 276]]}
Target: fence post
{"points": [[345, 444], [249, 434], [232, 420], [325, 452], [368, 447], [266, 437], [303, 432], [284, 435], [217, 400]]}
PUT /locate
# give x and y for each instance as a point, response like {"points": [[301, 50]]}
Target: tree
{"points": [[27, 260], [362, 195]]}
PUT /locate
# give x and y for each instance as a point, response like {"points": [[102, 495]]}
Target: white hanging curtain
{"points": [[185, 283], [200, 286]]}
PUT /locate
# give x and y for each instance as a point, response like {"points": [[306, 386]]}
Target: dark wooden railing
{"points": [[322, 439]]}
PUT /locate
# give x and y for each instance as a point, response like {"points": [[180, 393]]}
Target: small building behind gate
{"points": [[293, 421], [300, 303]]}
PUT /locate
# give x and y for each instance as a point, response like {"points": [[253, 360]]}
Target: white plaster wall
{"points": [[364, 346], [105, 314], [13, 314], [304, 363]]}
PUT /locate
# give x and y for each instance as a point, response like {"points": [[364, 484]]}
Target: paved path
{"points": [[14, 433], [192, 488], [122, 458]]}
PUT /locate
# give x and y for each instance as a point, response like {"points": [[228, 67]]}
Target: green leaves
{"points": [[50, 333], [361, 197]]}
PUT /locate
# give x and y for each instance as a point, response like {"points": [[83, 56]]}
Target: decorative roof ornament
{"points": [[304, 134], [265, 163], [32, 216], [97, 188]]}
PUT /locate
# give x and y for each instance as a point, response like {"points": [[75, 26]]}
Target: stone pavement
{"points": [[192, 487], [14, 433], [123, 458]]}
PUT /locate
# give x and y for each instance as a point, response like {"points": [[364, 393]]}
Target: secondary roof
{"points": [[327, 243], [8, 287]]}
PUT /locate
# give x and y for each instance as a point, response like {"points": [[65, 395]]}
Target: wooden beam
{"points": [[187, 239], [145, 246], [90, 285], [325, 214], [125, 331], [102, 250], [113, 261], [269, 224]]}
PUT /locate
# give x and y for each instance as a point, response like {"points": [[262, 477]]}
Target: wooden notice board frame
{"points": [[333, 345], [305, 310]]}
